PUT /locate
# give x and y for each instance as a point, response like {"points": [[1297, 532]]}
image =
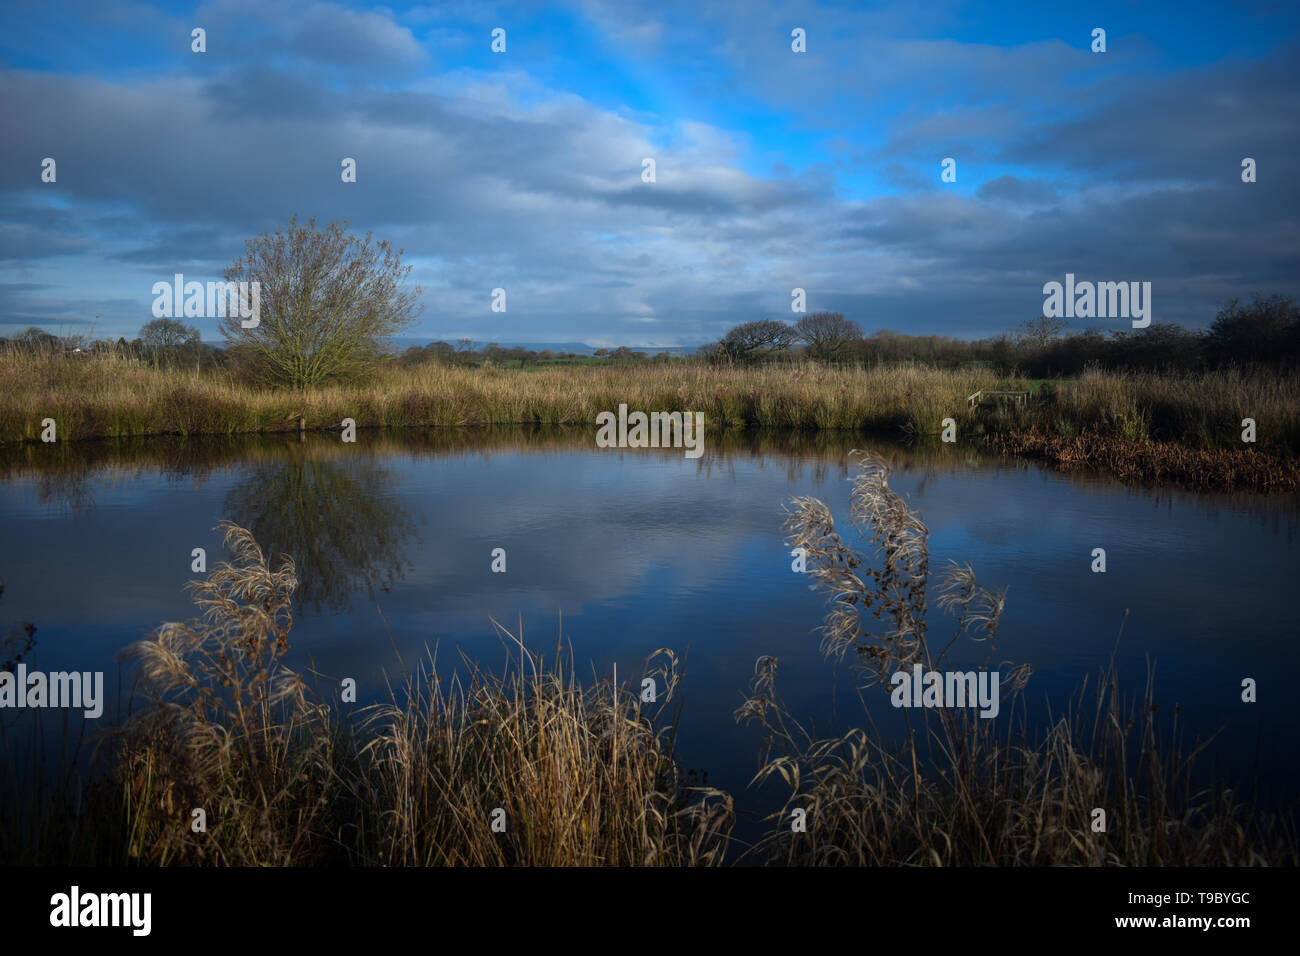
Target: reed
{"points": [[577, 775], [960, 789], [110, 396], [284, 776]]}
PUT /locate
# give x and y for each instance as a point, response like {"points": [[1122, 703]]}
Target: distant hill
{"points": [[579, 348], [403, 343]]}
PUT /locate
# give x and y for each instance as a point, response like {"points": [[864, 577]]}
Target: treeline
{"points": [[165, 343], [1261, 332], [470, 353]]}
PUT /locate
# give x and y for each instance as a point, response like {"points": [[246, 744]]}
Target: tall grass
{"points": [[109, 396], [284, 775], [230, 730], [960, 789], [1200, 410], [577, 776], [115, 397]]}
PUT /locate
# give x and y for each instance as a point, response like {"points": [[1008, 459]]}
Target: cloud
{"points": [[1012, 189], [526, 174], [336, 35]]}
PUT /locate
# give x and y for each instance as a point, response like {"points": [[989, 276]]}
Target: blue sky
{"points": [[775, 169]]}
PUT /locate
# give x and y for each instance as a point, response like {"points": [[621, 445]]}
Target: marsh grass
{"points": [[228, 728], [1183, 429], [588, 774], [1144, 420], [959, 789], [286, 776], [114, 397], [583, 776]]}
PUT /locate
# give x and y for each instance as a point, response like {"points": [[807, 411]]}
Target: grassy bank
{"points": [[111, 397], [106, 396], [1138, 425], [1151, 461], [288, 773]]}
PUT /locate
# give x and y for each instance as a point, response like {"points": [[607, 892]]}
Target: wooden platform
{"points": [[1019, 398]]}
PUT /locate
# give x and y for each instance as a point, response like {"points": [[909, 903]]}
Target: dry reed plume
{"points": [[960, 789], [583, 776], [229, 729]]}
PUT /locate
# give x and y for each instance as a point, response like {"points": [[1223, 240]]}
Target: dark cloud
{"points": [[1012, 189], [494, 179]]}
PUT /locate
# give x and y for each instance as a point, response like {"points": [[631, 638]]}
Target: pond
{"points": [[623, 552]]}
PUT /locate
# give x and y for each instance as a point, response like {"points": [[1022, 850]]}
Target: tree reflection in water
{"points": [[337, 520]]}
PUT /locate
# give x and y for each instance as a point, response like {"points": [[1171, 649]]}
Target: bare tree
{"points": [[34, 339], [165, 334], [1038, 333], [328, 303], [169, 342], [828, 335], [751, 341]]}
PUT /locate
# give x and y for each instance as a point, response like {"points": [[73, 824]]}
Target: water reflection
{"points": [[65, 475], [641, 549], [334, 514]]}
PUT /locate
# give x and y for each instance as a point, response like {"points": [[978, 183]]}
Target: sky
{"points": [[774, 169]]}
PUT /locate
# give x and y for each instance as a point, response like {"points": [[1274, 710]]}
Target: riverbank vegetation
{"points": [[1104, 783], [234, 759], [110, 397], [1138, 424]]}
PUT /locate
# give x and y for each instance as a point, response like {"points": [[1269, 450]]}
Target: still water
{"points": [[624, 552]]}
